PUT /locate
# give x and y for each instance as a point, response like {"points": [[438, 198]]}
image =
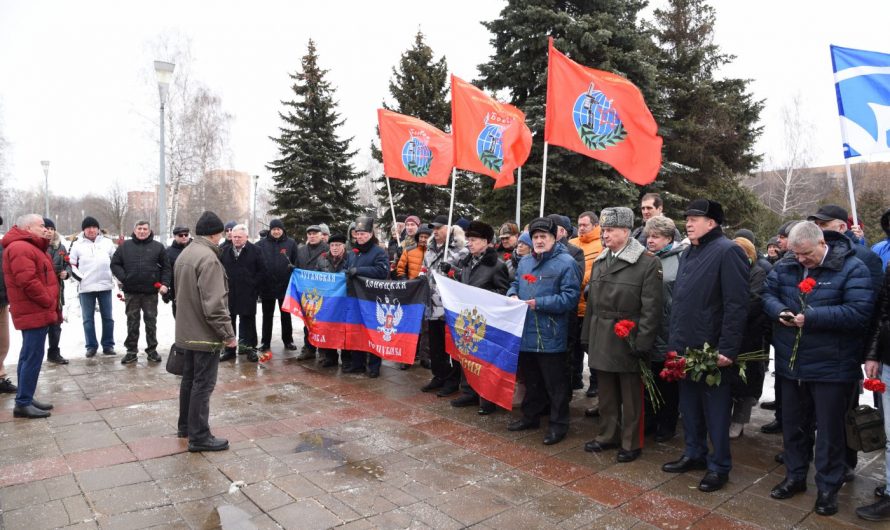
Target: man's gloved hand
{"points": [[444, 267], [350, 272]]}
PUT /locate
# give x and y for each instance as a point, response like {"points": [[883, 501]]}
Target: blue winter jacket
{"points": [[555, 292], [836, 319], [371, 260], [711, 296]]}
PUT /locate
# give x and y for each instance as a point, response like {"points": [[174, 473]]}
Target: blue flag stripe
{"points": [[411, 321]]}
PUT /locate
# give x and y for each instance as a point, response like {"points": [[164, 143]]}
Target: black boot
{"points": [[879, 511]]}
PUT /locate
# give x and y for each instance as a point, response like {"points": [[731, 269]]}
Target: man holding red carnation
{"points": [[820, 300]]}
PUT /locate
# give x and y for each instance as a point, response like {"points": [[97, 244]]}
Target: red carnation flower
{"points": [[66, 258], [875, 385], [424, 270], [157, 285], [530, 278], [623, 328], [807, 285], [355, 250], [283, 251], [507, 256], [671, 355], [451, 273]]}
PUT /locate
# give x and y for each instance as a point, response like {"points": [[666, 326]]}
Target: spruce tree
{"points": [[314, 178], [603, 34], [419, 88], [710, 125]]}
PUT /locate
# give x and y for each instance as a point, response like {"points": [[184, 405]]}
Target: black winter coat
{"points": [[140, 263], [756, 330], [710, 303], [307, 256], [487, 273], [280, 255], [370, 261], [879, 338], [245, 274], [173, 252]]}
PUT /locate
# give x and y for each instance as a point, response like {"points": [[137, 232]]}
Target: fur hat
{"points": [[364, 224], [617, 217], [337, 238], [209, 224], [706, 208], [480, 230]]}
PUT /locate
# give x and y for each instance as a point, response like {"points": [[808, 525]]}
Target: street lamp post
{"points": [[256, 180], [45, 164], [164, 71]]}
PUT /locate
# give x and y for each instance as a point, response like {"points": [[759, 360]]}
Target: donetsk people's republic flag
{"points": [[390, 316], [319, 300], [484, 333], [414, 150], [601, 115], [490, 138]]}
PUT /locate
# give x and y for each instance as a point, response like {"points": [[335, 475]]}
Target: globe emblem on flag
{"points": [[595, 120], [417, 157], [490, 147]]}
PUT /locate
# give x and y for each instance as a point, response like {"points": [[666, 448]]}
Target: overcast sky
{"points": [[77, 85]]}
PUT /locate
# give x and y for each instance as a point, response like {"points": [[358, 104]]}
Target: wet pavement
{"points": [[313, 448]]}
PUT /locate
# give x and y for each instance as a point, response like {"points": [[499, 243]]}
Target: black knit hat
{"points": [[89, 221], [480, 230], [209, 224], [48, 223], [337, 238], [706, 208], [747, 234], [276, 223]]}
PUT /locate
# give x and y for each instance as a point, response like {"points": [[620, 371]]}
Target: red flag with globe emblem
{"points": [[490, 138], [601, 115], [414, 150]]}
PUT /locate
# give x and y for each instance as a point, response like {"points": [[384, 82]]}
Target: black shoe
{"points": [[578, 385], [6, 386], [211, 444], [592, 412], [41, 405], [661, 437], [826, 503], [713, 481], [354, 370], [486, 409], [523, 425], [434, 384], [769, 405], [628, 456], [130, 357], [91, 352], [879, 511], [554, 437], [596, 447], [591, 392], [466, 400], [290, 346], [374, 374], [56, 358], [881, 492], [264, 347], [252, 356], [108, 351], [773, 427], [327, 364], [30, 412], [153, 357], [683, 465], [228, 354], [404, 366], [447, 390], [425, 363], [779, 458], [788, 488]]}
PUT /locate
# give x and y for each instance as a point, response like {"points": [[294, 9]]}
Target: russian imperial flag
{"points": [[484, 333], [320, 300]]}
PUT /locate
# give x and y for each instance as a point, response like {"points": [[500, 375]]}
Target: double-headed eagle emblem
{"points": [[388, 316], [470, 328], [310, 304]]}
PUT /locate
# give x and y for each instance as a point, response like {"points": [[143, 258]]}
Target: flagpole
{"points": [[518, 192], [543, 180], [450, 212], [849, 176], [392, 208]]}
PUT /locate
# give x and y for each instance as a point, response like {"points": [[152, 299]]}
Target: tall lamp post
{"points": [[164, 71], [256, 180], [45, 164]]}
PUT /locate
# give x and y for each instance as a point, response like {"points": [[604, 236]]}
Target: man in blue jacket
{"points": [[710, 307], [818, 370], [549, 281]]}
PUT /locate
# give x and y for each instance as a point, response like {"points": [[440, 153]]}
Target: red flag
{"points": [[490, 138], [414, 150], [601, 115]]}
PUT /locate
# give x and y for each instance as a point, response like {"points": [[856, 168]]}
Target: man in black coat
{"points": [[245, 270], [280, 256], [482, 269], [710, 306], [307, 259], [141, 267], [181, 240]]}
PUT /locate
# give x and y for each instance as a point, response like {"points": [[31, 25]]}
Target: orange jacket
{"points": [[411, 262], [592, 245]]}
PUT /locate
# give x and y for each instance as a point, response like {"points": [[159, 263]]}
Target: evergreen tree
{"points": [[603, 34], [709, 125], [419, 87], [314, 178]]}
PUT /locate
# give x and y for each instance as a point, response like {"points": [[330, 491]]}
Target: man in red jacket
{"points": [[33, 292]]}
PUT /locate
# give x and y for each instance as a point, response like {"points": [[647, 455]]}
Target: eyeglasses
{"points": [[181, 235]]}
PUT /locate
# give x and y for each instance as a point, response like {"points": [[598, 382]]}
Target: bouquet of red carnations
{"points": [[703, 362]]}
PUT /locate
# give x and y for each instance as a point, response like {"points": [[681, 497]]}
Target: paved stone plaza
{"points": [[317, 449]]}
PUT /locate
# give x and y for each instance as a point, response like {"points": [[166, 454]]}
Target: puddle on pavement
{"points": [[314, 442], [278, 398], [364, 469], [228, 517]]}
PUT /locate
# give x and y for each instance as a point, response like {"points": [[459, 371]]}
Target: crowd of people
{"points": [[681, 292]]}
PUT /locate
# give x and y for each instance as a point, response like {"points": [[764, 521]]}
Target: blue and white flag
{"points": [[484, 330], [862, 83]]}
